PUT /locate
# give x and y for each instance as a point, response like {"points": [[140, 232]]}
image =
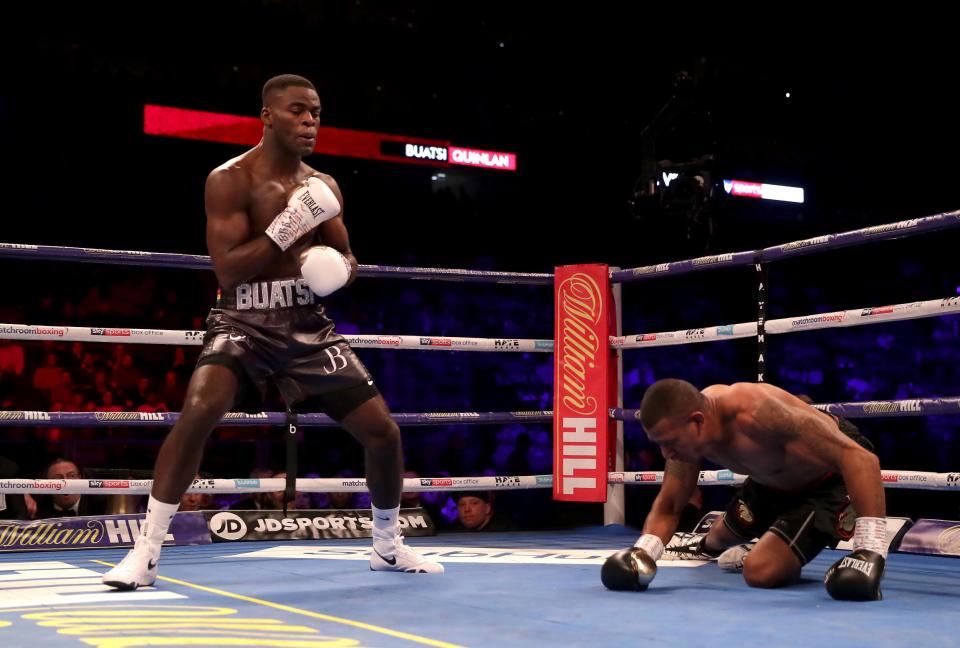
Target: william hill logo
{"points": [[579, 399], [49, 534]]}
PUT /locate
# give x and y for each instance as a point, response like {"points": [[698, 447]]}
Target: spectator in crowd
{"points": [[125, 374], [342, 500], [255, 501], [101, 385], [87, 371], [64, 505], [12, 364], [199, 501], [63, 392], [475, 512], [74, 357], [172, 392], [107, 403], [181, 366], [301, 500], [47, 377], [80, 403], [143, 391], [93, 305]]}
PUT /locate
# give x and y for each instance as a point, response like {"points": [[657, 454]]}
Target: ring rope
{"points": [[836, 319], [792, 249], [202, 262], [891, 479], [240, 419], [195, 338]]}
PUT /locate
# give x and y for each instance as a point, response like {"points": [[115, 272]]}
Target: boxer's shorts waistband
{"points": [[270, 294]]}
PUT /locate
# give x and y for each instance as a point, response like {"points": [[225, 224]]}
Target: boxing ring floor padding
{"points": [[505, 589]]}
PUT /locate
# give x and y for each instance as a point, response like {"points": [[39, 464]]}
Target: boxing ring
{"points": [[297, 594], [519, 588]]}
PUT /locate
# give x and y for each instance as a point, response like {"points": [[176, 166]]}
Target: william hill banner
{"points": [[234, 526], [584, 383], [95, 532]]}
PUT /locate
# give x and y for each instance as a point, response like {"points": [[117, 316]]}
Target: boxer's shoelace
{"points": [[401, 550], [686, 546], [398, 548]]}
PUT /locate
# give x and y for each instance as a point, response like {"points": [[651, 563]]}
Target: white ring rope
{"points": [[891, 479], [836, 319], [195, 338], [270, 484]]}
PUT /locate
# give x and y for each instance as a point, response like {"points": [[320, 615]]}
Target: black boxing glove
{"points": [[856, 577], [633, 568]]}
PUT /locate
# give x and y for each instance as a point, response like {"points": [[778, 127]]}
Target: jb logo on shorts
{"points": [[337, 360]]}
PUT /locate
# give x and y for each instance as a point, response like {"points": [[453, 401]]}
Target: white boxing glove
{"points": [[309, 205], [324, 269]]}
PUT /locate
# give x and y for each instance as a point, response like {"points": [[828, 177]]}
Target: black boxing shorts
{"points": [[808, 519], [275, 331]]}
